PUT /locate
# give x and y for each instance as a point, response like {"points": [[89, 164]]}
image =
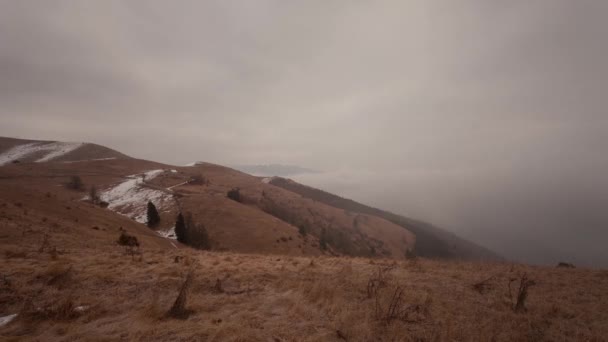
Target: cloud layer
{"points": [[489, 118]]}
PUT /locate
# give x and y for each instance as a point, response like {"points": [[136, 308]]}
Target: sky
{"points": [[488, 118]]}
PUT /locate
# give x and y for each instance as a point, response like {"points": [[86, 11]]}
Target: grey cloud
{"points": [[486, 117]]}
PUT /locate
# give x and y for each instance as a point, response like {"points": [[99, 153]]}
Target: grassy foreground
{"points": [[108, 294]]}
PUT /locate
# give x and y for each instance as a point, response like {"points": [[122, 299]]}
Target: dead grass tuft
{"points": [[44, 244], [389, 299], [58, 275], [178, 310], [378, 281], [484, 286], [522, 292], [218, 288]]}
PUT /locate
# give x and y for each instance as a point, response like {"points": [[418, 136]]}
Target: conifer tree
{"points": [[180, 228], [153, 219]]}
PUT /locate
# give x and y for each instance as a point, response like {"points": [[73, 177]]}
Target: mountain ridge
{"points": [[271, 218], [431, 241]]}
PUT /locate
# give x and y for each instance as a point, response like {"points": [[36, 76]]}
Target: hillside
{"points": [[19, 150], [268, 219], [276, 215], [430, 241], [65, 277], [81, 285]]}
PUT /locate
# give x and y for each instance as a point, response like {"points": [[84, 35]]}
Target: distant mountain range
{"points": [[270, 170]]}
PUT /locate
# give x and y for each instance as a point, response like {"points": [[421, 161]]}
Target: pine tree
{"points": [[180, 229], [153, 218], [196, 233]]}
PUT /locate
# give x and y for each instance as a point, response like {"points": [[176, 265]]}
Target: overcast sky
{"points": [[486, 117]]}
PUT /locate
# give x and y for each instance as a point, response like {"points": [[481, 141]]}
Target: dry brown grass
{"points": [[266, 298], [255, 297]]}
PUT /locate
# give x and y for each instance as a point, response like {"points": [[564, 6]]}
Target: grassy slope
{"points": [[430, 241], [263, 296], [87, 151], [277, 298], [231, 226]]}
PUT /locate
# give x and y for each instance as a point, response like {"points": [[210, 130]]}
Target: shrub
{"points": [[75, 183], [153, 219], [522, 292], [93, 195], [127, 240], [235, 194], [389, 300]]}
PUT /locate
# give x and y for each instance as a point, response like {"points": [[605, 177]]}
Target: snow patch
{"points": [[173, 171], [81, 308], [53, 150], [193, 163], [7, 319], [58, 149], [169, 233], [131, 197]]}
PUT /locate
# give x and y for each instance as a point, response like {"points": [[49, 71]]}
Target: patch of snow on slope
{"points": [[267, 180], [81, 308], [131, 197], [169, 233], [53, 150], [193, 163], [7, 319], [57, 149]]}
